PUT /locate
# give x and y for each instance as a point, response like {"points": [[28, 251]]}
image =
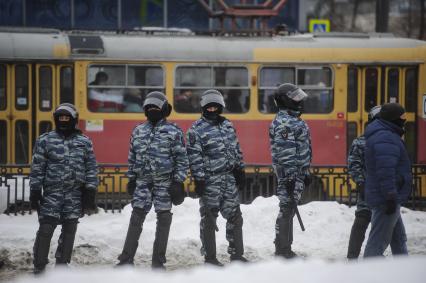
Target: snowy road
{"points": [[100, 239]]}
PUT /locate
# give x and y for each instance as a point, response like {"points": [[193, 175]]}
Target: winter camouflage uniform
{"points": [[62, 166], [213, 152], [291, 157], [356, 169], [157, 156]]}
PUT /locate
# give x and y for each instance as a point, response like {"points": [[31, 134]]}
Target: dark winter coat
{"points": [[387, 164]]}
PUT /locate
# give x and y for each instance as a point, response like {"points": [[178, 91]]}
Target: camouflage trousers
{"points": [[61, 203], [152, 191], [283, 195], [221, 195]]}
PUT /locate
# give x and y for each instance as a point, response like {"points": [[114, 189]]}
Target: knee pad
{"points": [[70, 226], [287, 210], [236, 217], [46, 229], [164, 216], [138, 216]]}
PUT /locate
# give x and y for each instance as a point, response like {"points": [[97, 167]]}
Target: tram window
{"points": [[370, 89], [318, 101], [314, 77], [317, 83], [21, 142], [67, 85], [352, 90], [410, 140], [270, 78], [122, 88], [3, 142], [21, 87], [45, 89], [45, 126], [192, 81], [3, 80], [393, 85], [410, 90]]}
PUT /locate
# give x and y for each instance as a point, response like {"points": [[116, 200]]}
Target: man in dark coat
{"points": [[388, 182]]}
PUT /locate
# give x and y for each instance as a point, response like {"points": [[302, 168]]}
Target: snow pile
{"points": [[100, 239]]}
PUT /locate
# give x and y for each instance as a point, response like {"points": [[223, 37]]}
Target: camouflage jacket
{"points": [[157, 150], [356, 166], [213, 148], [290, 141], [57, 159]]}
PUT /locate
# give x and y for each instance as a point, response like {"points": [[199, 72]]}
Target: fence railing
{"points": [[330, 183]]}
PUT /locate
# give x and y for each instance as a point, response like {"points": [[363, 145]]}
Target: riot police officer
{"points": [[63, 182], [158, 166], [217, 167], [291, 157], [356, 169]]}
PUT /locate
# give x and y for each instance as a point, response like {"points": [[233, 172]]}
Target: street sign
{"points": [[319, 25]]}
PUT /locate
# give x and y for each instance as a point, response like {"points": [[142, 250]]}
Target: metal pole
{"points": [[165, 6], [72, 14], [119, 14], [24, 13], [210, 18]]}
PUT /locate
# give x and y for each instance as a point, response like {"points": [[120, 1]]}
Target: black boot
{"points": [[208, 236], [357, 236], [66, 242], [235, 237], [164, 220], [42, 246], [284, 233], [132, 238]]}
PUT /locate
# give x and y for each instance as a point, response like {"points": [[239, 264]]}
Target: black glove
{"points": [[177, 192], [390, 204], [200, 187], [88, 200], [240, 178], [307, 180], [131, 187], [361, 189], [35, 199]]}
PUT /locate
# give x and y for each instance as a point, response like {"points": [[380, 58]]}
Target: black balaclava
{"points": [[212, 115], [65, 128], [392, 112], [153, 113]]}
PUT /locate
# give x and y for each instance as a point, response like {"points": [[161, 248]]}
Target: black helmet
{"points": [[289, 96], [374, 113], [66, 109], [158, 99]]}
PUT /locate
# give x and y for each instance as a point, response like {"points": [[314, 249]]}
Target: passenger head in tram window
{"points": [[394, 113], [184, 100], [233, 103], [133, 100], [212, 105], [288, 96], [66, 118], [100, 79]]}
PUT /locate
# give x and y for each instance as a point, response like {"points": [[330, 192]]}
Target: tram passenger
{"points": [[104, 99], [389, 181], [217, 166], [291, 157], [356, 168], [158, 166], [63, 183]]}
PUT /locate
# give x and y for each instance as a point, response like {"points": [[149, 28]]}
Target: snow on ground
{"points": [[100, 239]]}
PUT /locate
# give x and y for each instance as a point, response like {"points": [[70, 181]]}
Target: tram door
{"points": [[29, 94], [369, 86]]}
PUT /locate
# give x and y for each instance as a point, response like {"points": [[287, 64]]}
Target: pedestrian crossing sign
{"points": [[319, 25]]}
